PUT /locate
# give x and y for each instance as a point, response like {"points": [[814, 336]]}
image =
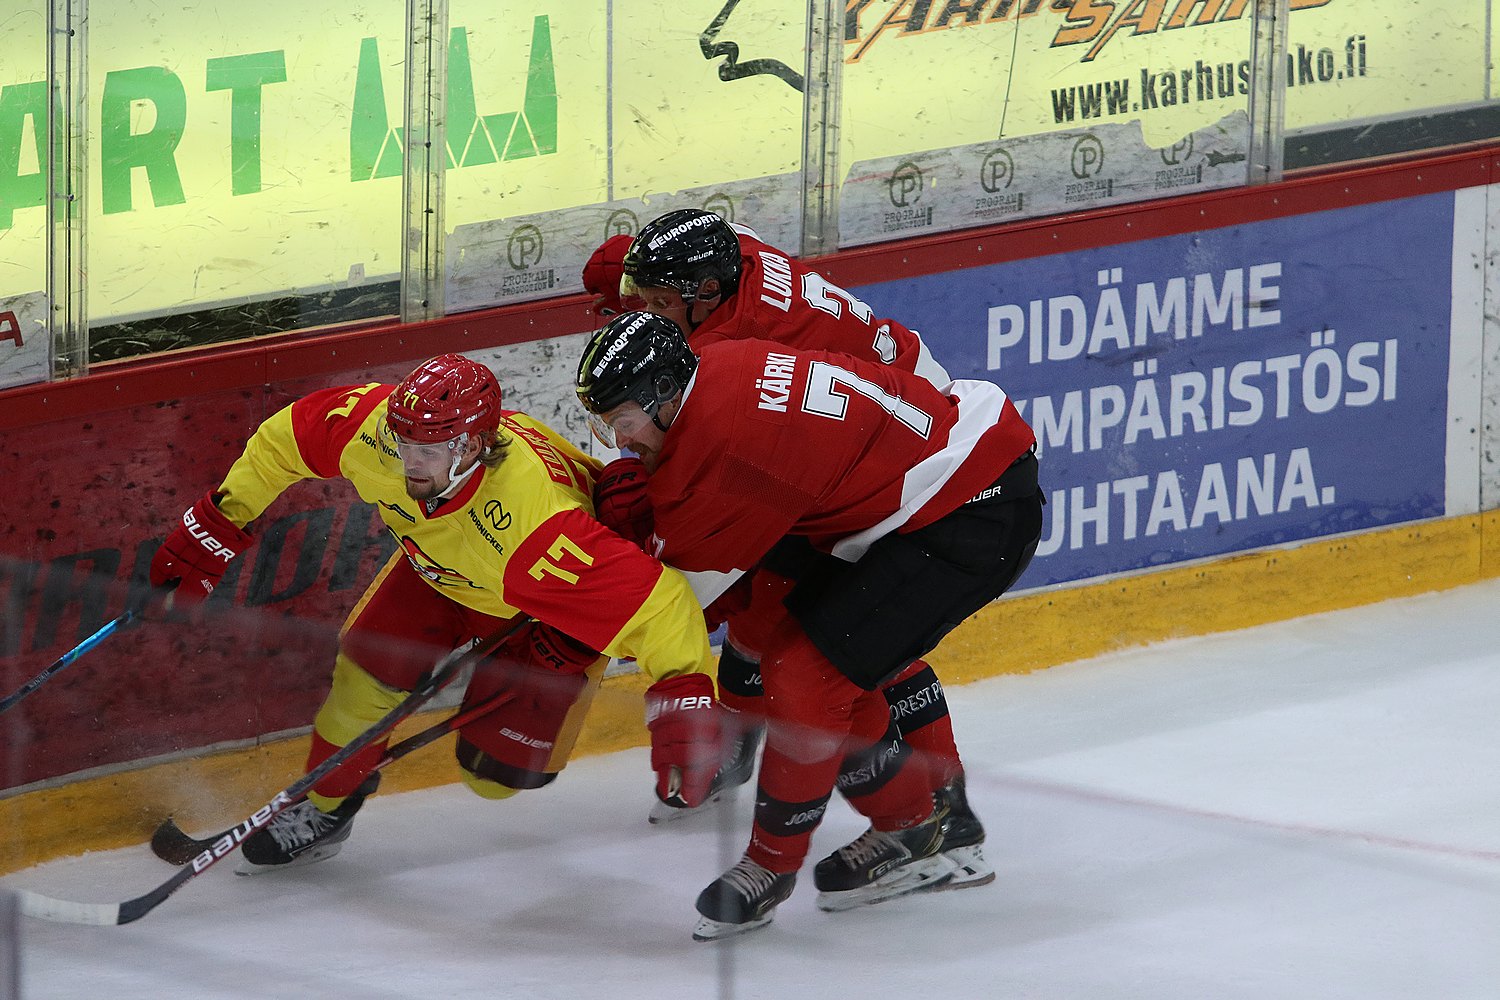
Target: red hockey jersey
{"points": [[780, 299], [771, 441]]}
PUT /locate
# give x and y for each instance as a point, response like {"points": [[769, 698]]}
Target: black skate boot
{"points": [[736, 770], [880, 865], [962, 836], [740, 900], [302, 834]]}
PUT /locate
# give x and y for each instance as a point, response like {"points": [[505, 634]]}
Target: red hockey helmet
{"points": [[443, 398]]}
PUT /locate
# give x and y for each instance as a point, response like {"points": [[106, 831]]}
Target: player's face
{"points": [[666, 302], [429, 467], [634, 430]]}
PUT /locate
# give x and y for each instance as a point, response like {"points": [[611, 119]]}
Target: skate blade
{"points": [[320, 852], [972, 870], [929, 873], [717, 930], [664, 812]]}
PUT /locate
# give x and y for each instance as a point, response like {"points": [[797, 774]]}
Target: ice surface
{"points": [[1302, 810]]}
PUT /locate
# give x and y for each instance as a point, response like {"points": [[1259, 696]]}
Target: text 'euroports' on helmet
{"points": [[682, 250]]}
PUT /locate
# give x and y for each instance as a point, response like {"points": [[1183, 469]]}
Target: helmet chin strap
{"points": [[674, 392], [455, 478], [713, 302], [656, 417]]}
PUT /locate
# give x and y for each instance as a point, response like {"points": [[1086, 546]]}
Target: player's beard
{"points": [[425, 489]]}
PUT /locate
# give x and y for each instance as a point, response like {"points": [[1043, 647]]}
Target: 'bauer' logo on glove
{"points": [[203, 537], [197, 552], [686, 737]]}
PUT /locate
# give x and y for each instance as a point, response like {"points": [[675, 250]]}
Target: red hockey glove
{"points": [[602, 273], [620, 500], [197, 552], [541, 645], [686, 726]]}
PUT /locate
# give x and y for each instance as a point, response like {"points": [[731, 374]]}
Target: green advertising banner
{"points": [[239, 152], [24, 354]]}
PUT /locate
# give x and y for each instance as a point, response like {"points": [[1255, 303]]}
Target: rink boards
{"points": [[1252, 405]]}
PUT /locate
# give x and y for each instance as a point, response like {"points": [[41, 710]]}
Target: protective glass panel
{"points": [[569, 122], [971, 113], [246, 170], [24, 355], [1386, 76]]}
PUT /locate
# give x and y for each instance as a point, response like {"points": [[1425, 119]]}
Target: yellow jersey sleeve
{"points": [[301, 441]]}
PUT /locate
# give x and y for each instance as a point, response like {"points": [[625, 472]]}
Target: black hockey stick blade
{"points": [[176, 847], [43, 907], [67, 911]]}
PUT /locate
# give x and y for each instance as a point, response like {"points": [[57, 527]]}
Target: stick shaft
{"points": [[66, 911], [107, 630]]}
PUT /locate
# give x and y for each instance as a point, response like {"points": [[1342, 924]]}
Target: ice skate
{"points": [[303, 834], [963, 837], [880, 865], [735, 772], [740, 900]]}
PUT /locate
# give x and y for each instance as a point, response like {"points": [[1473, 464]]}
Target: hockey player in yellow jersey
{"points": [[492, 513]]}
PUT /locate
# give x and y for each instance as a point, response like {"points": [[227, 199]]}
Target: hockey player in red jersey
{"points": [[921, 506], [722, 282], [719, 282], [492, 513]]}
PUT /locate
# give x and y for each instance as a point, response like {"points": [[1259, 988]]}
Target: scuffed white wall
{"points": [[25, 354], [538, 378], [1489, 374]]}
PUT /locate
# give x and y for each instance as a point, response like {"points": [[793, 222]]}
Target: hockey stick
{"points": [[174, 846], [35, 904], [110, 628]]}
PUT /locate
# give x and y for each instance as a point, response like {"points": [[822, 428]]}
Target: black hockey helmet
{"points": [[683, 249], [635, 356]]}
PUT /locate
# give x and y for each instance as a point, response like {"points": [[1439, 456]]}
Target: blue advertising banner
{"points": [[1215, 392]]}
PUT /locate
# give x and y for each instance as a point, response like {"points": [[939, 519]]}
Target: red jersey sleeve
{"points": [[325, 421], [722, 532], [729, 487], [578, 576]]}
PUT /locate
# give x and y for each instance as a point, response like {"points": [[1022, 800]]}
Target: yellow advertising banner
{"points": [[943, 73], [239, 151], [1356, 60], [248, 151]]}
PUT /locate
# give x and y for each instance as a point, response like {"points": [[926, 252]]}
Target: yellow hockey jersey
{"points": [[516, 538]]}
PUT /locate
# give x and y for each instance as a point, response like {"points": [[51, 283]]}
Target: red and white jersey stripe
{"points": [[772, 441]]}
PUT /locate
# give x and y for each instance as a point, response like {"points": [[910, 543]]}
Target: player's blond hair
{"points": [[495, 445]]}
